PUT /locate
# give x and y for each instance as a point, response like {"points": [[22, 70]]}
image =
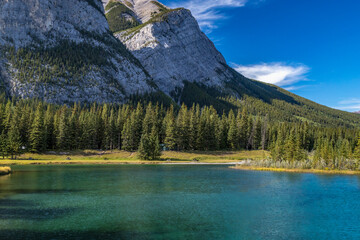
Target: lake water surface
{"points": [[176, 202]]}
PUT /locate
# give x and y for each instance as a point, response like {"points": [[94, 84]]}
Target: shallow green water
{"points": [[176, 202]]}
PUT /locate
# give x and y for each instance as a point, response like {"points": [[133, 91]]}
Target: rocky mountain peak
{"points": [[63, 51]]}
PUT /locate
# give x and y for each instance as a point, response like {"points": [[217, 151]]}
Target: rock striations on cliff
{"points": [[63, 51]]}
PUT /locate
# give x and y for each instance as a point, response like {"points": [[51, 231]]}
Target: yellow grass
{"points": [[123, 157], [318, 171], [5, 170]]}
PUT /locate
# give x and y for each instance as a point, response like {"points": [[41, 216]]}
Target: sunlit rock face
{"points": [[69, 52]]}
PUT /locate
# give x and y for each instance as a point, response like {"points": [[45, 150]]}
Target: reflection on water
{"points": [[175, 202]]}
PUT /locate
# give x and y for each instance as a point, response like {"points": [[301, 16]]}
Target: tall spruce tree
{"points": [[37, 132], [14, 138], [170, 132], [3, 144], [62, 137], [149, 148], [357, 149], [233, 132]]}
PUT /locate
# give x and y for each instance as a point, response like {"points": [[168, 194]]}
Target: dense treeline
{"points": [[29, 125], [60, 64]]}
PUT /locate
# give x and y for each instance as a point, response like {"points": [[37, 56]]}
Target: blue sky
{"points": [[310, 47]]}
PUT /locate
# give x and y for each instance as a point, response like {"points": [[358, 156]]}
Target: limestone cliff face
{"points": [[62, 51], [173, 49]]}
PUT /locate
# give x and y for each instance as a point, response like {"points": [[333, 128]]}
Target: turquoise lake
{"points": [[176, 202]]}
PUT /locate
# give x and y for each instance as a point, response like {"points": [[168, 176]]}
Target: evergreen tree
{"points": [[290, 146], [149, 148], [233, 133], [62, 140], [169, 122], [3, 144], [127, 136], [194, 127], [182, 128], [356, 154], [14, 139], [278, 150], [222, 132], [243, 126], [37, 133], [49, 138]]}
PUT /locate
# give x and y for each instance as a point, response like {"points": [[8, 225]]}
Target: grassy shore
{"points": [[5, 170], [317, 171], [123, 157]]}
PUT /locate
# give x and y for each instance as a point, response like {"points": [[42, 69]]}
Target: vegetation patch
{"points": [[120, 17], [5, 170], [67, 60]]}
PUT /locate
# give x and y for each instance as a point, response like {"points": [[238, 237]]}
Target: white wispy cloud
{"points": [[280, 74], [208, 12], [352, 104]]}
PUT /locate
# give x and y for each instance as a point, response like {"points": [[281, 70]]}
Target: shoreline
{"points": [[115, 162], [288, 170]]}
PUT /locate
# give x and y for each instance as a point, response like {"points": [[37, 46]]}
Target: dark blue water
{"points": [[176, 202]]}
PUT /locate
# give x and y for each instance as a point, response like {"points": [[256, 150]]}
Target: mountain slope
{"points": [[174, 51], [185, 64], [63, 51]]}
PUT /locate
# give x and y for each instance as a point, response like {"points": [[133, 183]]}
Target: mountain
{"points": [[171, 47], [63, 51], [129, 50], [185, 64]]}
